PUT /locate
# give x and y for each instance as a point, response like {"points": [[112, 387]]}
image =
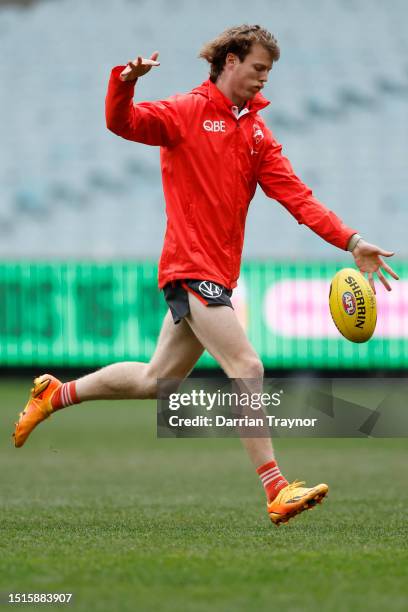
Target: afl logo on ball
{"points": [[209, 290], [349, 303]]}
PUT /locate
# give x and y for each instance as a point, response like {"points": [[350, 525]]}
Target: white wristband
{"points": [[352, 243]]}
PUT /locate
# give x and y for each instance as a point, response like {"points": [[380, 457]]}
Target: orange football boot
{"points": [[38, 407], [294, 499]]}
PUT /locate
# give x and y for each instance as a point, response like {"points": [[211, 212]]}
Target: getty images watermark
{"points": [[214, 402], [292, 407]]}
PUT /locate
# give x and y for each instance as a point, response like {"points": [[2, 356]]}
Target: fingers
{"points": [[130, 66], [388, 269], [141, 61], [376, 249], [371, 281], [129, 70], [383, 280], [139, 67]]}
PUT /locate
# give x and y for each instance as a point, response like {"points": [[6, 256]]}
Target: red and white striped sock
{"points": [[65, 395], [272, 479]]}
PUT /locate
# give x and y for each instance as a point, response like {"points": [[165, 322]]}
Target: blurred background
{"points": [[82, 211]]}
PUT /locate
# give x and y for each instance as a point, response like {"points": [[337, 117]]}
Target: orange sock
{"points": [[272, 479], [65, 395]]}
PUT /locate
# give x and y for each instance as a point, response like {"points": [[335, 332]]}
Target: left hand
{"points": [[368, 259]]}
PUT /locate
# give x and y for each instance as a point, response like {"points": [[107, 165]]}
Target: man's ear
{"points": [[231, 59]]}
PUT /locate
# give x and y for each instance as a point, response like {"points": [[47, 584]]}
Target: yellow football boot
{"points": [[294, 499], [37, 409]]}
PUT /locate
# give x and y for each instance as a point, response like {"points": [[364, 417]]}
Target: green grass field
{"points": [[97, 506]]}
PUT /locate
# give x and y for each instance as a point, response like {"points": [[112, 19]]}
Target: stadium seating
{"points": [[69, 188]]}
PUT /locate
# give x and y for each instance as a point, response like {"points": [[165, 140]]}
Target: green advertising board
{"points": [[87, 314]]}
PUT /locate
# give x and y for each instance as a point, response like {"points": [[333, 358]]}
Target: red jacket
{"points": [[211, 165]]}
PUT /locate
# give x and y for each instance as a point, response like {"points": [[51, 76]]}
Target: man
{"points": [[215, 150]]}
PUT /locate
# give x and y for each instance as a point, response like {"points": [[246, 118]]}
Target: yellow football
{"points": [[353, 305]]}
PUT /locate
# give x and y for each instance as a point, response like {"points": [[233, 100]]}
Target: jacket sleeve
{"points": [[278, 181], [152, 123]]}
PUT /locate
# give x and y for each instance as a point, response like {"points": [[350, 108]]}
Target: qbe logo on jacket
{"points": [[214, 126], [209, 290]]}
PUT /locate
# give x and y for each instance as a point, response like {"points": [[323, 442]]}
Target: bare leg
{"points": [[176, 354], [219, 331]]}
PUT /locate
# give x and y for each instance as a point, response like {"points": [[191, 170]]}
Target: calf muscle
{"points": [[176, 354]]}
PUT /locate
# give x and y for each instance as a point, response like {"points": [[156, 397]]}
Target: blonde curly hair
{"points": [[237, 40]]}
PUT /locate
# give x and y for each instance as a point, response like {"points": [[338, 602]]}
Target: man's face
{"points": [[249, 77]]}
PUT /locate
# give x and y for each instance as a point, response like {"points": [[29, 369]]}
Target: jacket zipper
{"points": [[234, 224]]}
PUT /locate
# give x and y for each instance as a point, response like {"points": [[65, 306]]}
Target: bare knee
{"points": [[149, 383], [158, 384], [253, 368], [151, 389], [247, 366]]}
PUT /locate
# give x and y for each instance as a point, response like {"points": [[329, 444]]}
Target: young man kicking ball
{"points": [[215, 150]]}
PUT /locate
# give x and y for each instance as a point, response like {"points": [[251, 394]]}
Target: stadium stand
{"points": [[69, 188]]}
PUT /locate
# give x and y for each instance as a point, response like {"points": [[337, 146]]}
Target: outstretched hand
{"points": [[139, 67], [368, 259]]}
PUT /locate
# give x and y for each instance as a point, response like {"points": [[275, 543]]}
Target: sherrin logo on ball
{"points": [[352, 305]]}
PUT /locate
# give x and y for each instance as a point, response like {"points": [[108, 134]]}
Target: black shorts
{"points": [[209, 293]]}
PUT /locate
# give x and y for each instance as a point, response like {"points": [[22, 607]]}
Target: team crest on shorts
{"points": [[209, 290]]}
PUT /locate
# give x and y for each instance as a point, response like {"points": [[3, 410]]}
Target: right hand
{"points": [[139, 67]]}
